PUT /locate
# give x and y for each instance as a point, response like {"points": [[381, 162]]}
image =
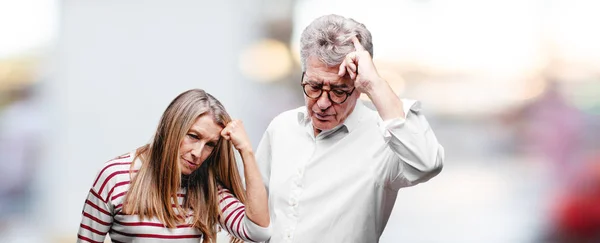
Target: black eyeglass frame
{"points": [[348, 93]]}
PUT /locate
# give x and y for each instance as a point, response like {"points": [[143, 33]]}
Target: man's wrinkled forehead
{"points": [[318, 71], [328, 79]]}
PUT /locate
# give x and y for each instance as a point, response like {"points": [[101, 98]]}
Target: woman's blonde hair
{"points": [[155, 187]]}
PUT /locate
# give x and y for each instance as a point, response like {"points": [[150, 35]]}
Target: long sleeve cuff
{"points": [[257, 233], [397, 123]]}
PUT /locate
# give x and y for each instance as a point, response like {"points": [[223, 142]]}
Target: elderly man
{"points": [[333, 168]]}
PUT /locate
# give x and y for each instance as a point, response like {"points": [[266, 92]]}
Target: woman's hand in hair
{"points": [[256, 205], [236, 133]]}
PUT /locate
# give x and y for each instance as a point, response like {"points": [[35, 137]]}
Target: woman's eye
{"points": [[194, 136]]}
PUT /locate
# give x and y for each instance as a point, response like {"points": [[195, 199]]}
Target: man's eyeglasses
{"points": [[336, 96]]}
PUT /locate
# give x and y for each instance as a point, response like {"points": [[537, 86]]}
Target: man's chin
{"points": [[323, 125]]}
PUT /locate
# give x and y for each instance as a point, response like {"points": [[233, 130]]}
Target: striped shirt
{"points": [[102, 212]]}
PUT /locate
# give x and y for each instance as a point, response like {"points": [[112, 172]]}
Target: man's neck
{"points": [[317, 131]]}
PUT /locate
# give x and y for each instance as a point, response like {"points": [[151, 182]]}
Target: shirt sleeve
{"points": [[418, 155], [96, 219], [235, 221], [98, 210]]}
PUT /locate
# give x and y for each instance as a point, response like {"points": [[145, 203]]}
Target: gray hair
{"points": [[329, 38]]}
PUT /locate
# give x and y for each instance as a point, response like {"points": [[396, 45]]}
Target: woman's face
{"points": [[198, 143]]}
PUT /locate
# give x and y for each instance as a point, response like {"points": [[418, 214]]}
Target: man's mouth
{"points": [[322, 116]]}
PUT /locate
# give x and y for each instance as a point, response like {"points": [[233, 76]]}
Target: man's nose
{"points": [[323, 102]]}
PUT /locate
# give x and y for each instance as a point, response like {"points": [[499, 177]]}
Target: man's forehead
{"points": [[316, 67]]}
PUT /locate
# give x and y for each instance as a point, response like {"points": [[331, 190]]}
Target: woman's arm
{"points": [[257, 209], [96, 219], [235, 219]]}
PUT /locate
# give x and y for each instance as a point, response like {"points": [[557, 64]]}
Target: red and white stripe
{"points": [[102, 212]]}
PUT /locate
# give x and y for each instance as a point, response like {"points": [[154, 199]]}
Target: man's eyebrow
{"points": [[339, 86], [315, 83]]}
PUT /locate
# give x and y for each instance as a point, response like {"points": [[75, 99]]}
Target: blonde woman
{"points": [[183, 185]]}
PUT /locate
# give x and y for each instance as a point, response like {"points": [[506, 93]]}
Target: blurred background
{"points": [[510, 87]]}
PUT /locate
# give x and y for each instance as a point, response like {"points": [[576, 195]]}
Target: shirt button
{"points": [[300, 172], [298, 182]]}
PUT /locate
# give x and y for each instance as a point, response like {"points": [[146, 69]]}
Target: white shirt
{"points": [[341, 185]]}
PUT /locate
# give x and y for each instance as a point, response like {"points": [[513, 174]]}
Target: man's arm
{"points": [[359, 65], [407, 132], [419, 156]]}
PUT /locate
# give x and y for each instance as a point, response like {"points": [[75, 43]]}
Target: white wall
{"points": [[117, 66]]}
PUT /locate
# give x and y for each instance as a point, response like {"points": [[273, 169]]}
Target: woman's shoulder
{"points": [[115, 171], [120, 163]]}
